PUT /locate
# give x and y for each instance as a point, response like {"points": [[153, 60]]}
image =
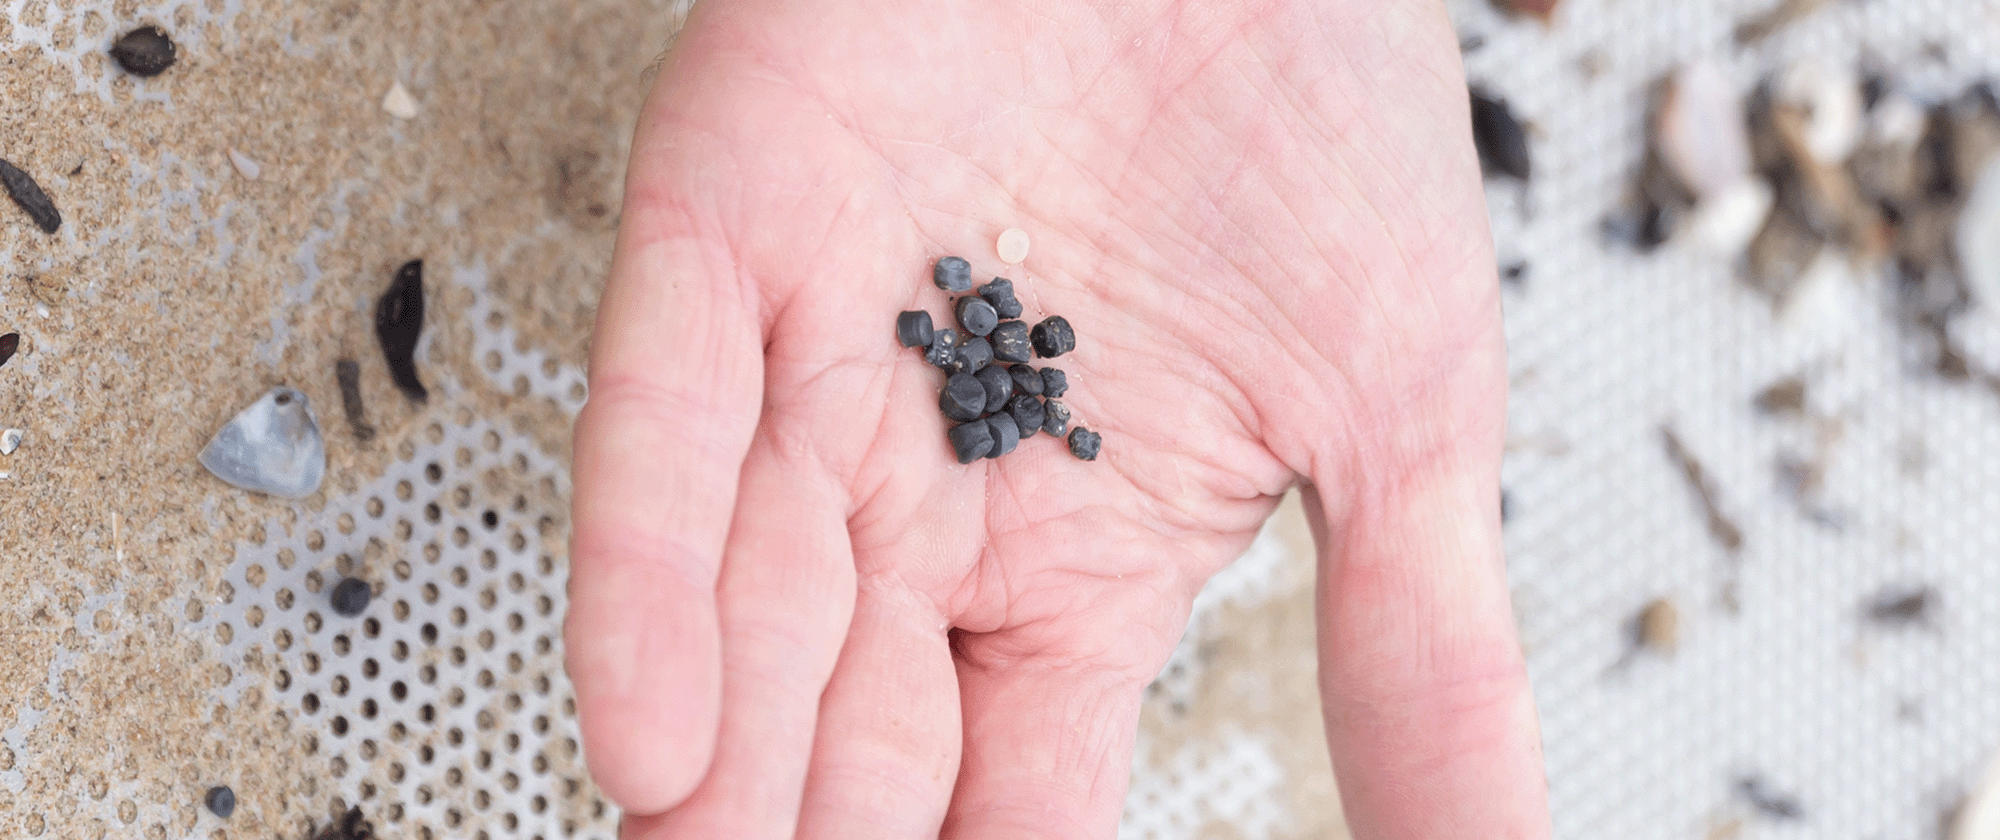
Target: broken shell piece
{"points": [[274, 447], [1724, 223], [244, 165], [1978, 236], [399, 103], [1658, 626], [1700, 130], [1830, 102], [10, 440]]}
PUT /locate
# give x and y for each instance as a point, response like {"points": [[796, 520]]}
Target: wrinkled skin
{"points": [[794, 614]]}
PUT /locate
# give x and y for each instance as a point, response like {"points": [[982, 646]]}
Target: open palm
{"points": [[794, 614]]}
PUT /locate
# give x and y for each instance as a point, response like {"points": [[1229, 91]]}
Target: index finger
{"points": [[676, 371]]}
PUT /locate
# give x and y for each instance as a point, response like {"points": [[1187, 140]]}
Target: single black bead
{"points": [[1054, 382], [944, 350], [1027, 412], [1027, 380], [952, 274], [1053, 337], [963, 397], [971, 441], [1055, 418], [1084, 443], [975, 354], [1010, 342], [999, 387], [913, 329], [976, 315], [146, 51], [1006, 435], [221, 801], [350, 597], [1000, 293]]}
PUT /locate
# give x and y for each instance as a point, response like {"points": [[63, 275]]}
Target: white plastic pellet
{"points": [[1013, 246]]}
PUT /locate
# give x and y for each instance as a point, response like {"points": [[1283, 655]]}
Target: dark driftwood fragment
{"points": [[348, 372], [30, 197]]}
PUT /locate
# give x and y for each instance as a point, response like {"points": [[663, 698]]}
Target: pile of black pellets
{"points": [[990, 391]]}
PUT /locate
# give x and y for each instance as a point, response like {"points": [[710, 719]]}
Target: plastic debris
{"points": [[221, 801], [1012, 246], [274, 447], [399, 103]]}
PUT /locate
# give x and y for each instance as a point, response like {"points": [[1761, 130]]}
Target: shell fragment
{"points": [[274, 447]]}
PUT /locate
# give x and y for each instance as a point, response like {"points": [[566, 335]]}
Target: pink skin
{"points": [[794, 614]]}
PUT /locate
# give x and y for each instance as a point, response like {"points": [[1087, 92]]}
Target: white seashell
{"points": [[10, 440], [1831, 100], [1701, 129], [1725, 222], [274, 447], [244, 165], [399, 103]]}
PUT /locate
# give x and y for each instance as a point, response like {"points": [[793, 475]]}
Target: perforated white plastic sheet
{"points": [[1872, 731]]}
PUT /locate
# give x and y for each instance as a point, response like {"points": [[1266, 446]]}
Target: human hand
{"points": [[792, 613]]}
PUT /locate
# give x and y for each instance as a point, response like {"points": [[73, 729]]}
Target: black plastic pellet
{"points": [[971, 441], [146, 51], [999, 387], [1055, 418], [1000, 293], [963, 397], [1006, 435], [1010, 342], [221, 801], [1053, 337], [977, 353], [399, 319], [1084, 443], [1054, 383], [30, 197], [8, 344], [913, 329], [1027, 413], [1027, 380], [944, 350], [350, 597], [1502, 143], [952, 274], [348, 373], [976, 315]]}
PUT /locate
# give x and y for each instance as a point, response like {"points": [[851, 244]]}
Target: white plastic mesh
{"points": [[1874, 731]]}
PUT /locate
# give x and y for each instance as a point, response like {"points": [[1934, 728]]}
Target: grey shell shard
{"points": [[274, 447]]}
